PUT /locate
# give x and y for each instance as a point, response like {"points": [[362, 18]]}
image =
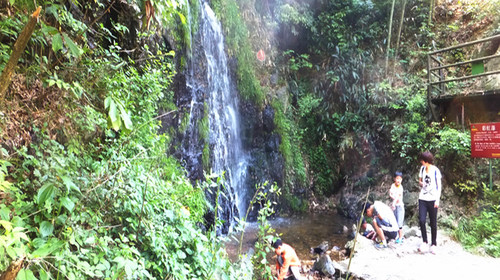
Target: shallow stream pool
{"points": [[301, 232]]}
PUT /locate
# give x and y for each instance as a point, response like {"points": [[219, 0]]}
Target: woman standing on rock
{"points": [[428, 200]]}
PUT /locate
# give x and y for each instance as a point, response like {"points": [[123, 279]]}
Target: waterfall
{"points": [[213, 93]]}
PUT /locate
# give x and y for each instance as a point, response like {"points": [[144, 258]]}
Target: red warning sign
{"points": [[485, 140]]}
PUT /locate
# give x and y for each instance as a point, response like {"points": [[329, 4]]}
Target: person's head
{"points": [[398, 178], [369, 209], [426, 157], [277, 246]]}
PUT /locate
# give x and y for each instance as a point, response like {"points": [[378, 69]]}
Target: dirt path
{"points": [[403, 261]]}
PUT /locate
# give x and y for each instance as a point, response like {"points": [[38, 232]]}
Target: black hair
{"points": [[367, 206], [398, 173], [277, 243], [426, 157]]}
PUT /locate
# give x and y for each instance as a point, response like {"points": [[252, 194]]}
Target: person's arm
{"points": [[392, 195], [277, 266], [285, 266], [438, 185], [420, 175]]}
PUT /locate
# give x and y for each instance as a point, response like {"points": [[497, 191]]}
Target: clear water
{"points": [[301, 232], [227, 154], [219, 93]]}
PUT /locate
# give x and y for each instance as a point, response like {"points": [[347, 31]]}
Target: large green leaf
{"points": [[69, 184], [44, 193], [125, 117], [73, 48], [57, 42], [67, 203], [46, 228], [50, 246], [113, 113], [4, 213], [6, 225], [107, 102], [44, 275], [25, 274]]}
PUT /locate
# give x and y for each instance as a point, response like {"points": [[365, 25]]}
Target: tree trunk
{"points": [[12, 270], [401, 20], [389, 39], [431, 10], [17, 51]]}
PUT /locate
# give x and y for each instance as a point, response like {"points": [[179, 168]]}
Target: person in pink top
{"points": [[397, 205]]}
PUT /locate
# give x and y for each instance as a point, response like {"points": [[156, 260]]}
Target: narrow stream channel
{"points": [[301, 232]]}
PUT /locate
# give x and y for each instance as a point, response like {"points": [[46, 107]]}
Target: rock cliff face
{"points": [[231, 135]]}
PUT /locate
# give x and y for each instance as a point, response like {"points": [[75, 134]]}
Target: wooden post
{"points": [[491, 174], [463, 116], [17, 51], [429, 89]]}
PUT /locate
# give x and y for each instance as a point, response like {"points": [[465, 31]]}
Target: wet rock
{"points": [[320, 249], [324, 266], [350, 206]]}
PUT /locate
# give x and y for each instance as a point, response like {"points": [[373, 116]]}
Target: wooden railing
{"points": [[436, 64]]}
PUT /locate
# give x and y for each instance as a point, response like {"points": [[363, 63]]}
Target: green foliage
{"points": [[296, 204], [10, 27], [125, 212], [236, 35], [266, 200], [295, 62], [307, 104], [206, 156], [412, 135], [184, 125], [99, 197], [324, 184], [203, 127], [467, 186], [482, 231], [296, 16], [13, 239], [347, 25], [450, 141], [289, 142]]}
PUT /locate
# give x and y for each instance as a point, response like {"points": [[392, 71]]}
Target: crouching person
{"points": [[287, 262], [384, 222]]}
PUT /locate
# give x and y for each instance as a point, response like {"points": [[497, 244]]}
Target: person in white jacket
{"points": [[428, 200]]}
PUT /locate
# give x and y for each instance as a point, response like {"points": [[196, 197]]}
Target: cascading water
{"points": [[215, 89]]}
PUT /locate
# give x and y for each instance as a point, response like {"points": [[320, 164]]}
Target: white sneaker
{"points": [[432, 250], [424, 247]]}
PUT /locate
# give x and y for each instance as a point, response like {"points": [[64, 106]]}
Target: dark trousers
{"points": [[425, 207]]}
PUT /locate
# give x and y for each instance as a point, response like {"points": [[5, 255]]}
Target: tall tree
{"points": [[17, 51], [389, 38], [431, 9], [401, 20]]}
